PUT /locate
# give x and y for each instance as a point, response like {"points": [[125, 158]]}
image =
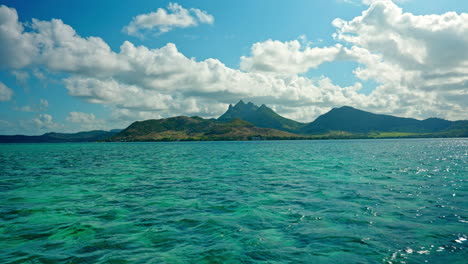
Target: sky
{"points": [[68, 66]]}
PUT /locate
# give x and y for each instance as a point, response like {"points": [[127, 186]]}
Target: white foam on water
{"points": [[461, 239], [404, 254]]}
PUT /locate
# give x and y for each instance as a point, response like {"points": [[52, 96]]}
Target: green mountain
{"points": [[260, 116], [196, 128], [346, 119], [52, 137], [357, 121], [250, 122]]}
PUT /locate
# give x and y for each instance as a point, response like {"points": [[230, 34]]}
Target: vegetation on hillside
{"points": [[184, 128], [262, 116], [88, 136], [250, 122]]}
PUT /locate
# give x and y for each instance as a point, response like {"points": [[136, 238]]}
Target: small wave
{"points": [[402, 255]]}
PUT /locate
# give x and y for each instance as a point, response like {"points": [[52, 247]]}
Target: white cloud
{"points": [[80, 117], [21, 77], [286, 58], [5, 92], [414, 42], [38, 125], [85, 121], [43, 104], [43, 122], [165, 80], [88, 121], [368, 2], [18, 48], [64, 51], [163, 20], [203, 16], [52, 44], [420, 61], [38, 74]]}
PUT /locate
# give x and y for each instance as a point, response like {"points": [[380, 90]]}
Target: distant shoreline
{"points": [[232, 140], [249, 122]]}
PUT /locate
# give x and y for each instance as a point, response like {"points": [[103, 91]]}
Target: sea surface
{"points": [[336, 201]]}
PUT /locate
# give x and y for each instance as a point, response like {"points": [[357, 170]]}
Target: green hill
{"points": [[357, 121], [196, 128], [52, 137], [250, 122]]}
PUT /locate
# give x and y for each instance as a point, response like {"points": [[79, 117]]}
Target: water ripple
{"points": [[355, 201]]}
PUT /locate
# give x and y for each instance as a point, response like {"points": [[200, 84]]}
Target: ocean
{"points": [[331, 201]]}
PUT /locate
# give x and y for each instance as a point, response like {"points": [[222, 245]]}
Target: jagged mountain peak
{"points": [[242, 106], [262, 116], [241, 102]]}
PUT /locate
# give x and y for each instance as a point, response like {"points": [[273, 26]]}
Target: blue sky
{"points": [[85, 70]]}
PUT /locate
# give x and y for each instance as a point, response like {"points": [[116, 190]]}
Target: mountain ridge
{"points": [[262, 116], [350, 119], [183, 128], [247, 121], [345, 118], [54, 137]]}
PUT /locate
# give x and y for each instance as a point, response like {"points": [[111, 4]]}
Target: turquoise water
{"points": [[352, 201]]}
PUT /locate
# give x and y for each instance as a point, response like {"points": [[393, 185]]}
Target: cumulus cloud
{"points": [[432, 41], [18, 48], [40, 124], [286, 58], [5, 92], [368, 2], [203, 16], [43, 122], [43, 104], [167, 81], [52, 44], [38, 74], [79, 117], [418, 56], [21, 77], [85, 121], [419, 62], [163, 20], [208, 98]]}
